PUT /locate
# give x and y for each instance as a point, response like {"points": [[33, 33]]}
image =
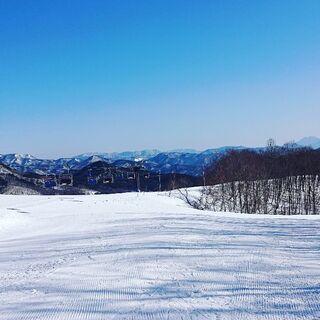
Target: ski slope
{"points": [[149, 256]]}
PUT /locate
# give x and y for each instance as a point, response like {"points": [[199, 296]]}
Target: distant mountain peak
{"points": [[311, 141]]}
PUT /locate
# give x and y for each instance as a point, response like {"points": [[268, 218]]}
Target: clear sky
{"points": [[100, 75]]}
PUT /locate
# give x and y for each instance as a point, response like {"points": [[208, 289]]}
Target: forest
{"points": [[274, 180]]}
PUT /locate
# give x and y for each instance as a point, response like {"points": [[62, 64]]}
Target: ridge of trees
{"points": [[273, 162], [275, 180]]}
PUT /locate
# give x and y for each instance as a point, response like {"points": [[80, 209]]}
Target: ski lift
{"points": [[131, 175], [119, 175], [92, 181], [108, 178], [66, 179], [50, 181], [146, 175]]}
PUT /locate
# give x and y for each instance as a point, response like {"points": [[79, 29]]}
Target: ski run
{"points": [[149, 256]]}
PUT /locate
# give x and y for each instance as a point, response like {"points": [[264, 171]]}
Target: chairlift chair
{"points": [[66, 179], [131, 175], [146, 175], [92, 181], [50, 181], [119, 175], [108, 178]]}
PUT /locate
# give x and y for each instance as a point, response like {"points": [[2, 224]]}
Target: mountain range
{"points": [[190, 162], [183, 161]]}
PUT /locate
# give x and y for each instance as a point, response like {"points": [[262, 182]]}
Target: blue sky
{"points": [[79, 76]]}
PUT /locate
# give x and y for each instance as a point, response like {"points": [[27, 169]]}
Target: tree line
{"points": [[274, 180]]}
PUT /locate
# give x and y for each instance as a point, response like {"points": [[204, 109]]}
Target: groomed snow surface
{"points": [[149, 256]]}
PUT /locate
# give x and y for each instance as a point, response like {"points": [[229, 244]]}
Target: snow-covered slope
{"points": [[148, 256]]}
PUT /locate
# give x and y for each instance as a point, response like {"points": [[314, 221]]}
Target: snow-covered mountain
{"points": [[27, 163], [191, 163], [13, 182], [311, 141], [188, 161], [184, 161], [126, 155]]}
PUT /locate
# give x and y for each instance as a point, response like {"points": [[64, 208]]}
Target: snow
{"points": [[149, 256], [17, 190], [313, 142]]}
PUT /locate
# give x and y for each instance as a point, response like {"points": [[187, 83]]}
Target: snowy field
{"points": [[148, 256]]}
